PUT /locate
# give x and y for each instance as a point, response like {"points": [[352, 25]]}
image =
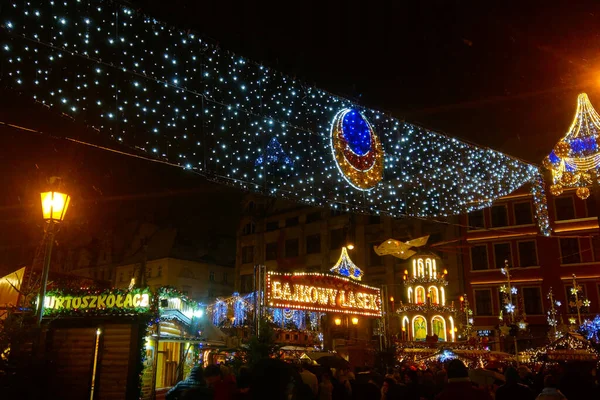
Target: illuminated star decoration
{"points": [[523, 325], [504, 330], [572, 321], [274, 155], [356, 149], [513, 290], [576, 157], [587, 303], [510, 307], [345, 267]]}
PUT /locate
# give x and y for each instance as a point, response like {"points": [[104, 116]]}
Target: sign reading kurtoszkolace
{"points": [[322, 292], [137, 301]]}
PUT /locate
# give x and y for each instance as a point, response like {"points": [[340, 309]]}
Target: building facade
{"points": [[288, 237], [201, 281], [508, 231]]}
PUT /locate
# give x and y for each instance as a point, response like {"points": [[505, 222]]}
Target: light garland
{"points": [[184, 100], [575, 160], [541, 205], [554, 332]]}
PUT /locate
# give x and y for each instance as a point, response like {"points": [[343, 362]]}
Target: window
{"points": [[499, 216], [569, 251], [159, 271], [501, 254], [476, 219], [527, 254], [313, 244], [272, 226], [271, 251], [247, 254], [291, 248], [483, 302], [479, 258], [292, 221], [374, 220], [564, 208], [374, 258], [532, 298], [247, 283], [334, 212], [249, 228], [225, 277], [338, 238], [523, 214], [121, 277], [211, 276], [313, 217]]}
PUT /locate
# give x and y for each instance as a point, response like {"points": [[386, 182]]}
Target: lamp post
{"points": [[54, 208]]}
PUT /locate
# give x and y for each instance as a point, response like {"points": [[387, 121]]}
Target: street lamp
{"points": [[338, 321], [354, 321], [54, 208]]}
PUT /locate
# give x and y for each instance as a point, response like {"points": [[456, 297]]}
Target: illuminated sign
{"points": [[322, 292], [485, 333], [136, 301]]}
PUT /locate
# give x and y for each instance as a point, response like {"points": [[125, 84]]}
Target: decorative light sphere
{"points": [[562, 149], [556, 190], [583, 193]]}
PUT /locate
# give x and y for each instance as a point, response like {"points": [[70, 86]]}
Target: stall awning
{"points": [[10, 285]]}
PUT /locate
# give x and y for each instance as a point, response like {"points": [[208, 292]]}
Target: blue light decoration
{"points": [[274, 155], [179, 98], [239, 310], [345, 267], [446, 355], [591, 329], [219, 312], [541, 205]]}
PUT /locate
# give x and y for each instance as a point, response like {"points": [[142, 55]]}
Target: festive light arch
{"points": [[181, 99], [452, 333], [435, 295]]}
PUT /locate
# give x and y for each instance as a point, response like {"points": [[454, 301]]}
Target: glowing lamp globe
{"points": [[338, 321], [354, 321], [54, 206]]}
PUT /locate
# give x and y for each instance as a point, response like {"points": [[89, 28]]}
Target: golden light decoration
{"points": [[361, 171], [583, 193], [575, 160], [556, 190]]}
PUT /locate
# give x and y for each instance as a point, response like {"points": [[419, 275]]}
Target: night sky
{"points": [[504, 75]]}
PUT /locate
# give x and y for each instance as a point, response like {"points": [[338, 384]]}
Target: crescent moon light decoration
{"points": [[356, 149]]}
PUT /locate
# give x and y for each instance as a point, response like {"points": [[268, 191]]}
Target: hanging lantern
{"points": [[583, 193], [567, 178]]}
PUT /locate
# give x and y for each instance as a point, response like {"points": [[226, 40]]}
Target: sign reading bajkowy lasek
{"points": [[322, 292]]}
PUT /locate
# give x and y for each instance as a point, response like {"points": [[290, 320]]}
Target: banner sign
{"points": [[322, 292], [113, 301]]}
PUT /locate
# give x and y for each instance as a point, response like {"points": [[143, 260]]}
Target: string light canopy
{"points": [[182, 99], [575, 159]]}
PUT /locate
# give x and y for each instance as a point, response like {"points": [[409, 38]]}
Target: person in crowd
{"points": [[513, 389], [459, 385], [223, 389], [309, 378], [277, 380], [525, 376], [326, 387], [427, 387], [550, 391], [388, 388], [441, 378], [390, 374], [194, 381], [412, 391]]}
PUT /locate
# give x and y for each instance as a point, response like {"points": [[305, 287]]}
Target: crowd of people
{"points": [[278, 380]]}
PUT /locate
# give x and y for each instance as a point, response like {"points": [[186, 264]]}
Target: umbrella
{"points": [[485, 376], [333, 362]]}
